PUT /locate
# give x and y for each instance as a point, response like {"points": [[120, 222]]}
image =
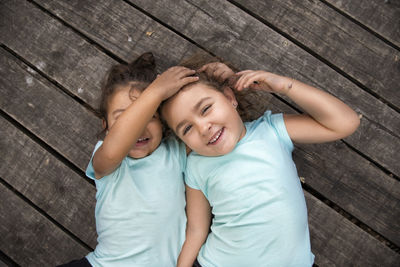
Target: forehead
{"points": [[123, 95], [181, 105]]}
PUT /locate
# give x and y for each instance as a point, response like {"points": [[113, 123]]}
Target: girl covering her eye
{"points": [[140, 208]]}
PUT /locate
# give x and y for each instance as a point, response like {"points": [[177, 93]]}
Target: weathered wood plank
{"points": [[73, 62], [65, 10], [80, 14], [53, 49], [343, 43], [128, 32], [382, 16], [56, 118], [3, 264], [228, 33], [28, 238], [48, 183], [335, 241], [69, 13], [244, 41]]}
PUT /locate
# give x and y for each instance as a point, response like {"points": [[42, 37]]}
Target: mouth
{"points": [[142, 141], [216, 137]]}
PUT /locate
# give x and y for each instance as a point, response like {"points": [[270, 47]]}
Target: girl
{"points": [[140, 209], [244, 172]]}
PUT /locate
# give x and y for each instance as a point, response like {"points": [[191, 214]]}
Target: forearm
{"points": [[324, 108], [191, 247], [125, 132], [198, 212]]}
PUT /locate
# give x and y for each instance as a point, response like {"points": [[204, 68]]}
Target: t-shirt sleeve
{"points": [[89, 169], [190, 177], [178, 148], [182, 155], [278, 124]]}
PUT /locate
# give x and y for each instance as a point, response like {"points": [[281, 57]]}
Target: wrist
{"points": [[155, 92], [288, 86]]}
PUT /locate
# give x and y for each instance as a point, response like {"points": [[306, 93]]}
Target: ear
{"points": [[230, 95], [104, 125]]}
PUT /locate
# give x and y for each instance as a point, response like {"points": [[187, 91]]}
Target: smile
{"points": [[216, 137], [142, 141]]}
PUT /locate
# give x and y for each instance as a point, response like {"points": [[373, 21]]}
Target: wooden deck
{"points": [[55, 53]]}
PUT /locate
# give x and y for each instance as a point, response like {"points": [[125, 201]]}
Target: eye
{"points": [[204, 110], [186, 129]]}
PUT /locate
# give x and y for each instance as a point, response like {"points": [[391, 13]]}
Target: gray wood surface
{"points": [[335, 241], [56, 118], [208, 33], [341, 42], [2, 263], [28, 238], [48, 183], [247, 43], [72, 43], [382, 16]]}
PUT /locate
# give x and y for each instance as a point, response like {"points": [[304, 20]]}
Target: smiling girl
{"points": [[243, 173], [140, 199]]}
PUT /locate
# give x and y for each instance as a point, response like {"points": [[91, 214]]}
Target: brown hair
{"points": [[142, 71], [200, 59]]}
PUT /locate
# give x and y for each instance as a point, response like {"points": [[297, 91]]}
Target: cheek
{"points": [[155, 128]]}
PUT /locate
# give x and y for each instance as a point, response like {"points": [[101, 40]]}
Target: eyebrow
{"points": [[196, 107], [117, 111]]}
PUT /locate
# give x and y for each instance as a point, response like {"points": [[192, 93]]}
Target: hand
{"points": [[171, 80], [262, 80], [218, 70]]}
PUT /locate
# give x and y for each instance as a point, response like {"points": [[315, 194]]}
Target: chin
{"points": [[138, 154]]}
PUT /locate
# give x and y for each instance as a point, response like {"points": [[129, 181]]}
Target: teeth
{"points": [[142, 139], [216, 137]]}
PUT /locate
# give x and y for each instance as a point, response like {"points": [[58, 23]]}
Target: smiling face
{"points": [[205, 119], [151, 136]]}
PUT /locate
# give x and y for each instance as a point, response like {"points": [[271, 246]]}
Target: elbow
{"points": [[103, 164], [350, 125]]}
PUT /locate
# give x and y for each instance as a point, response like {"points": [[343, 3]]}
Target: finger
{"points": [[240, 82], [185, 72], [188, 80], [246, 80], [207, 66], [243, 72]]}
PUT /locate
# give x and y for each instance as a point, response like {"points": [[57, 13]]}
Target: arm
{"points": [[198, 212], [327, 118], [130, 124]]}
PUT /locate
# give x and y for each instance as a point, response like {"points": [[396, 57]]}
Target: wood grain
{"points": [[247, 43], [335, 241], [383, 17], [337, 40], [29, 239], [46, 111], [228, 34], [54, 49], [48, 183], [315, 160], [122, 29]]}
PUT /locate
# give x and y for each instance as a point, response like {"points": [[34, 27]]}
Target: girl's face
{"points": [[205, 119], [151, 136]]}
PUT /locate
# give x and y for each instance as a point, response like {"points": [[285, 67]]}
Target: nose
{"points": [[205, 127]]}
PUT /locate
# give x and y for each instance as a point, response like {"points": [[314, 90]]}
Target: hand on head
{"points": [[262, 80], [256, 80], [173, 79], [218, 70]]}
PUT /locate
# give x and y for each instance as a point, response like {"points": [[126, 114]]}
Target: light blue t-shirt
{"points": [[260, 214], [140, 210]]}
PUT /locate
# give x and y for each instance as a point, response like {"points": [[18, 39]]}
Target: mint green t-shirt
{"points": [[140, 210], [260, 214]]}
